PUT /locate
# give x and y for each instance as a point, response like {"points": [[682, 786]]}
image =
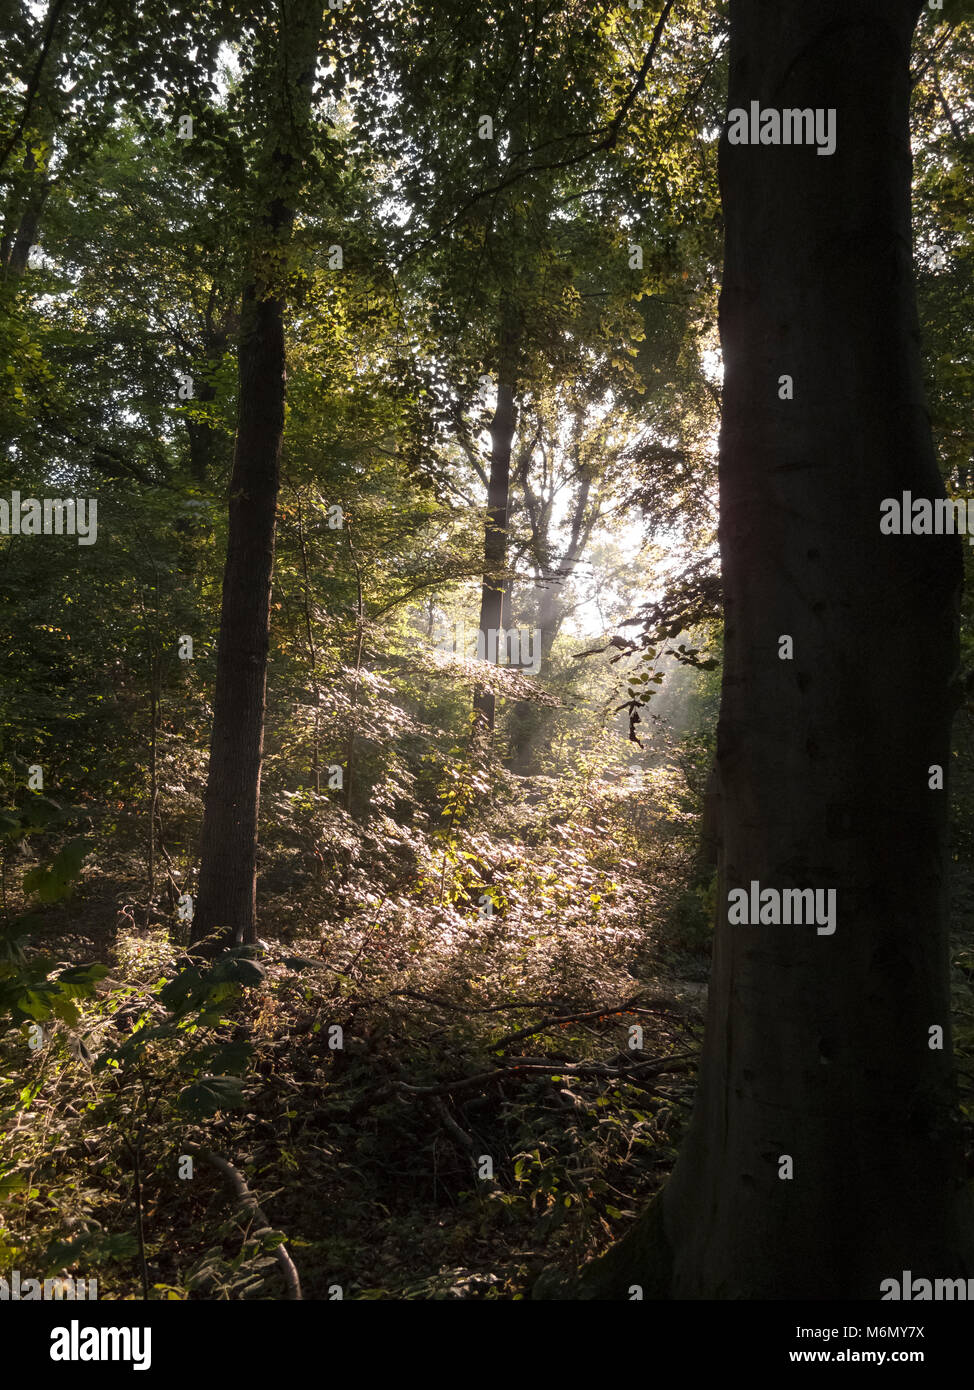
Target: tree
{"points": [[284, 73], [577, 459], [822, 1048], [506, 148]]}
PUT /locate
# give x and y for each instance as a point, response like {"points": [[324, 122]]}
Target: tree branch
{"points": [[50, 24], [607, 142], [248, 1203]]}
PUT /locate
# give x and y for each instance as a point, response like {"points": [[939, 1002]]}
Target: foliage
{"points": [[485, 923]]}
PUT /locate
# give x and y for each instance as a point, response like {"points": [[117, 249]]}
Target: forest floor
{"points": [[471, 1129]]}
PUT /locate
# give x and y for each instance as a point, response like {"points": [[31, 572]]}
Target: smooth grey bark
{"points": [[817, 1046]]}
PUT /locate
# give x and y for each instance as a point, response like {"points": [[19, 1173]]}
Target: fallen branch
{"points": [[467, 1008], [533, 1065], [451, 1126], [605, 1012], [248, 1203]]}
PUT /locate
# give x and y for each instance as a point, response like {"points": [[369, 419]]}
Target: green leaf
{"points": [[10, 1183], [65, 1009], [78, 981], [270, 1240], [210, 1094], [230, 1057], [185, 989], [96, 1247], [52, 882], [33, 1005]]}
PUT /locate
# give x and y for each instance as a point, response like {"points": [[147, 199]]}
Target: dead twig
{"points": [[556, 1019], [534, 1065]]}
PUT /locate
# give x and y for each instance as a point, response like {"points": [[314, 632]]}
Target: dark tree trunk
{"points": [[228, 870], [227, 889], [17, 243], [817, 1046], [708, 849], [26, 237]]}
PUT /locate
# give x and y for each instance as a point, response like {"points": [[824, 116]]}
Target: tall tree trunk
{"points": [[228, 870], [818, 1046], [495, 531], [528, 720], [23, 242], [707, 854], [30, 193]]}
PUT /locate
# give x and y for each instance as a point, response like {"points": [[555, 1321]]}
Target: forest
{"points": [[486, 673]]}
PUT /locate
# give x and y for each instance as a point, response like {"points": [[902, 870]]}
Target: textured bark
{"points": [[817, 1046], [708, 850], [228, 886], [228, 869]]}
